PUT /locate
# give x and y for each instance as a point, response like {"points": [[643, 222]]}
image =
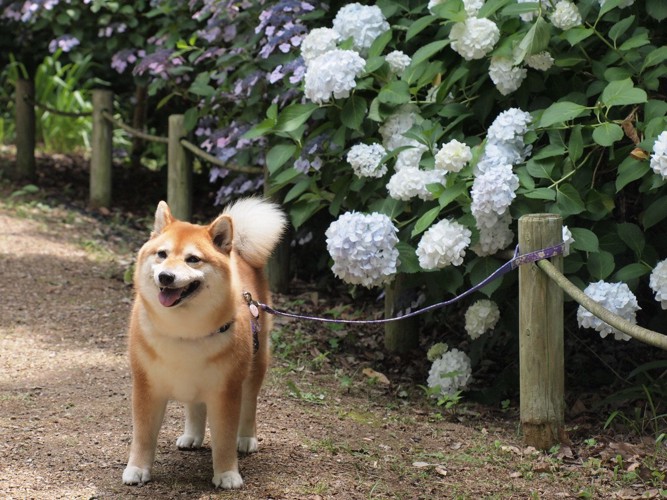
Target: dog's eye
{"points": [[162, 254], [193, 259]]}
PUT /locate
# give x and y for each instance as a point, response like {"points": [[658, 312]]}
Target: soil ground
{"points": [[326, 429]]}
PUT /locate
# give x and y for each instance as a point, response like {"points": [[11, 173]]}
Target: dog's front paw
{"points": [[187, 441], [247, 444], [229, 480], [136, 475]]}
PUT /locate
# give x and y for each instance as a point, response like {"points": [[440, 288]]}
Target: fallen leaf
{"points": [[514, 475], [377, 376], [421, 464], [441, 470]]}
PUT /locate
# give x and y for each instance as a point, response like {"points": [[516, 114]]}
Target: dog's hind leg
{"points": [[195, 426], [247, 439]]}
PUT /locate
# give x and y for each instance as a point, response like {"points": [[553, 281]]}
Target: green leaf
{"points": [[451, 9], [424, 53], [536, 40], [577, 34], [297, 190], [295, 115], [568, 201], [656, 56], [584, 240], [622, 92], [190, 118], [301, 211], [607, 6], [408, 258], [514, 10], [540, 169], [600, 264], [354, 112], [380, 43], [490, 7], [632, 236], [481, 269], [396, 92], [618, 29], [630, 170], [278, 156], [425, 221], [607, 134], [549, 151], [262, 128], [541, 194], [418, 26], [451, 193], [655, 213], [657, 9], [635, 42], [560, 112], [631, 272], [575, 146]]}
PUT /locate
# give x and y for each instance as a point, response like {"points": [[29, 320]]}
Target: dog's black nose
{"points": [[166, 279]]}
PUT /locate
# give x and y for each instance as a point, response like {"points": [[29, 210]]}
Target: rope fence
{"points": [[541, 283]]}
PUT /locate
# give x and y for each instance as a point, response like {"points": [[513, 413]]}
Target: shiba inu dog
{"points": [[193, 338]]}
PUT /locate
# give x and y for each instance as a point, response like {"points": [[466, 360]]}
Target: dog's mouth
{"points": [[170, 297]]}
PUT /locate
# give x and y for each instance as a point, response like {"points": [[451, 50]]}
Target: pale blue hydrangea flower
{"points": [[615, 297], [659, 156], [510, 125], [505, 75], [411, 182], [396, 125], [362, 23], [332, 73], [398, 61], [481, 317], [494, 238], [366, 160], [363, 248], [492, 194], [658, 282], [450, 373], [443, 244]]}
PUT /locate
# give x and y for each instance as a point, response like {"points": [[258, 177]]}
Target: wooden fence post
{"points": [[101, 154], [399, 336], [179, 179], [25, 131], [541, 356]]}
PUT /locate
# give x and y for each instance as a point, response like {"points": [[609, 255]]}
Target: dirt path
{"points": [[324, 432]]}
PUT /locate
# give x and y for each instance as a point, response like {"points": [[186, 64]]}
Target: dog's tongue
{"points": [[169, 296]]}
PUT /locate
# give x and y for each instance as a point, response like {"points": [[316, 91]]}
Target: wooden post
{"points": [[399, 336], [101, 154], [179, 178], [541, 356], [25, 131]]}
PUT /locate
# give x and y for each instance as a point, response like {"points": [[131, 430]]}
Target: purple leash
{"points": [[510, 265]]}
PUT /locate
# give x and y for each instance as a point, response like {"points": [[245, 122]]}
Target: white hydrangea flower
{"points": [[530, 16], [541, 61], [659, 156], [474, 38], [622, 5], [398, 61], [658, 282], [509, 125], [501, 153], [362, 23], [496, 237], [453, 156], [450, 373], [481, 317], [615, 297], [411, 182], [397, 124], [506, 77], [319, 41], [566, 15], [492, 193], [443, 244], [333, 72], [567, 241], [363, 248], [366, 160]]}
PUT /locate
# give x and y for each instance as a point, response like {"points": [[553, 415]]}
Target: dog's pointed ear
{"points": [[163, 218], [222, 233]]}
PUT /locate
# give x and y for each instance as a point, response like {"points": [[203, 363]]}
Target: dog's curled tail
{"points": [[258, 226]]}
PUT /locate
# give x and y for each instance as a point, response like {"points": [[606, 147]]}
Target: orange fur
{"points": [[176, 351]]}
